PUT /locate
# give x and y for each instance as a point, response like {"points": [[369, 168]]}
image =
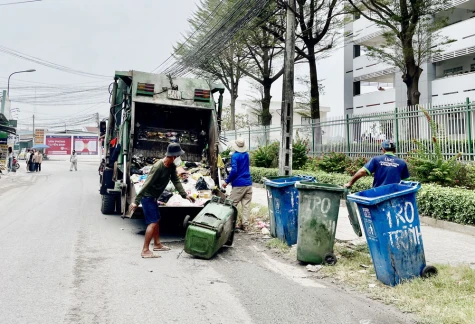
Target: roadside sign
{"points": [[39, 136]]}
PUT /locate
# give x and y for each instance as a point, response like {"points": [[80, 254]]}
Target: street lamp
{"points": [[30, 70]]}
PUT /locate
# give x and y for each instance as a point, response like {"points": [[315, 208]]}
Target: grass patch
{"points": [[278, 245], [447, 298]]}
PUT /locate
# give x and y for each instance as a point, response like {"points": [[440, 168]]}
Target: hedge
{"points": [[450, 204]]}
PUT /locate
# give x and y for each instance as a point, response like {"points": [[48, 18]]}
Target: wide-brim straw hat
{"points": [[239, 145]]}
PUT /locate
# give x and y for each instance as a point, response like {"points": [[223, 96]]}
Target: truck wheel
{"points": [[330, 259], [429, 271], [108, 204], [186, 221]]}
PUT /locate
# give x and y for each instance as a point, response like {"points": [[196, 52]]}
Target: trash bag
{"points": [[165, 196], [190, 165], [201, 184], [134, 170]]}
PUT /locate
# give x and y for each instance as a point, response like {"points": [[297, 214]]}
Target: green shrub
{"points": [[266, 156], [312, 164], [299, 154], [427, 162], [258, 174], [355, 165], [334, 162], [465, 176], [451, 204]]}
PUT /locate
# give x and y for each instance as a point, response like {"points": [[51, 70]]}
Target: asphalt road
{"points": [[62, 261]]}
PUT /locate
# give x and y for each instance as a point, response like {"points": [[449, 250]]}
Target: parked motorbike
{"points": [[15, 164]]}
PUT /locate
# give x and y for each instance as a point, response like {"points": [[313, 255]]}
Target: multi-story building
{"points": [[449, 77]]}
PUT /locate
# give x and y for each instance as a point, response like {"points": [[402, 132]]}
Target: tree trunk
{"points": [[266, 100], [234, 96], [314, 91], [411, 79], [314, 102]]}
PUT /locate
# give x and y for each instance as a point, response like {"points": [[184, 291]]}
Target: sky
{"points": [[100, 37]]}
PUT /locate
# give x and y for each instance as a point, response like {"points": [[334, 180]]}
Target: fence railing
{"points": [[361, 135]]}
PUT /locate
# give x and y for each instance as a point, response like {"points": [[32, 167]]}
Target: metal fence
{"points": [[361, 135]]}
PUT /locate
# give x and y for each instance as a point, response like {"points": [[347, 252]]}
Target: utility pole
{"points": [[34, 137], [285, 158]]}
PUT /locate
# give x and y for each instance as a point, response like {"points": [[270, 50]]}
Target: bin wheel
{"points": [[219, 231], [186, 221], [429, 271], [330, 259]]}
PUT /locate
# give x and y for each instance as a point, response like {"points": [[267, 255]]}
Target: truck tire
{"points": [[108, 204]]}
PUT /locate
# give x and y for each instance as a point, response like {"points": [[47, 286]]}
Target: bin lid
{"points": [[379, 194], [285, 181], [353, 216], [319, 186]]}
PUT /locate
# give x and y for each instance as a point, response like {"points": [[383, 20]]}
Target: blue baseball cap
{"points": [[388, 145]]}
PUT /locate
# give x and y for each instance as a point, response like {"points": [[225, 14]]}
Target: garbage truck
{"points": [[148, 112]]}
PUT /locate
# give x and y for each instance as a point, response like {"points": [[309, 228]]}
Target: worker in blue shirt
{"points": [[241, 181], [387, 168]]}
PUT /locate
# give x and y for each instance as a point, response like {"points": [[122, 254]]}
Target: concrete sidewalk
{"points": [[440, 245]]}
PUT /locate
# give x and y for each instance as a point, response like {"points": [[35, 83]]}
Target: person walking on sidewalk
{"points": [[74, 161], [241, 181], [27, 158], [10, 159], [39, 160], [158, 178], [36, 158], [387, 168], [31, 161]]}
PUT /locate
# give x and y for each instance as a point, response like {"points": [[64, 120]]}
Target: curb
{"points": [[454, 227]]}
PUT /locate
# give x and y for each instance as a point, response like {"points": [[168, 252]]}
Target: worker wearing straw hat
{"points": [[240, 180]]}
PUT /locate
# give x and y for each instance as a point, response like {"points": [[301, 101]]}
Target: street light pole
{"points": [[8, 87]]}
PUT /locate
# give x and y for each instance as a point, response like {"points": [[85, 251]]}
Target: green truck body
{"points": [[145, 103]]}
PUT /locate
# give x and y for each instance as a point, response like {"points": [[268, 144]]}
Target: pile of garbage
{"points": [[195, 178]]}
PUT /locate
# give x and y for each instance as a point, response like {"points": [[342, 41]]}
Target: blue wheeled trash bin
{"points": [[283, 204], [390, 219]]}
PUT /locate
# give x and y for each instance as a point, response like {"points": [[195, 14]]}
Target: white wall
{"points": [[453, 89], [374, 102]]}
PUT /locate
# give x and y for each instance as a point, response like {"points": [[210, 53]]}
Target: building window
{"points": [[356, 88], [306, 120], [453, 70], [356, 51]]}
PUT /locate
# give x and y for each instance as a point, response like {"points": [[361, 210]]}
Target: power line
{"points": [[211, 44], [52, 65], [20, 2], [189, 37]]}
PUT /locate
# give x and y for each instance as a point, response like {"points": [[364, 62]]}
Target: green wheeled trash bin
{"points": [[319, 206], [212, 228]]}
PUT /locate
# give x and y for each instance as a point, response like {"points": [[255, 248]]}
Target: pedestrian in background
{"points": [[39, 160], [35, 157], [10, 159], [27, 159], [31, 161], [241, 181], [74, 161]]}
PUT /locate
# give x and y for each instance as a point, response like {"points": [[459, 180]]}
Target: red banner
{"points": [[58, 145], [86, 145]]}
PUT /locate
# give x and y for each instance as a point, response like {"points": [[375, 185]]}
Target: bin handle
{"points": [[411, 184], [309, 178]]}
